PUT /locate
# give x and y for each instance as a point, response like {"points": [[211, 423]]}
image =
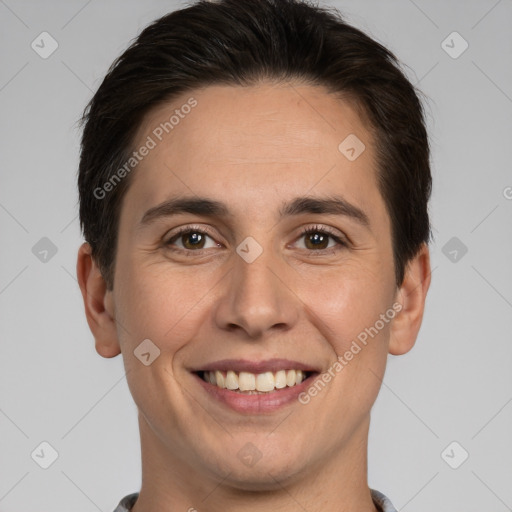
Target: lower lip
{"points": [[258, 403]]}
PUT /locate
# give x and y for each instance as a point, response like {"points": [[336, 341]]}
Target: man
{"points": [[254, 180]]}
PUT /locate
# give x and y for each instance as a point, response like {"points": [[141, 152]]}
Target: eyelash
{"points": [[305, 231]]}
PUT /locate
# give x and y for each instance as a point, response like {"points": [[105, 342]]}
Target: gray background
{"points": [[455, 385]]}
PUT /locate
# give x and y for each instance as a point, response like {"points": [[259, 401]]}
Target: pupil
{"points": [[194, 238], [317, 239]]}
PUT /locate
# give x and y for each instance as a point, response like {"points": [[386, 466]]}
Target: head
{"points": [[254, 179]]}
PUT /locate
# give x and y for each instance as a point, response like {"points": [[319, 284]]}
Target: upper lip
{"points": [[244, 365]]}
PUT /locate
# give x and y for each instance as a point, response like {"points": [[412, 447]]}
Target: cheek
{"points": [[348, 301], [159, 303], [351, 313], [159, 306]]}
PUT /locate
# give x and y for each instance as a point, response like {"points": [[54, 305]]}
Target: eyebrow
{"points": [[204, 206]]}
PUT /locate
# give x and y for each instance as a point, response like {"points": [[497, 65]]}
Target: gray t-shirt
{"points": [[382, 503]]}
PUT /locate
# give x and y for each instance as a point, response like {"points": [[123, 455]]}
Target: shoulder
{"points": [[382, 502], [126, 504]]}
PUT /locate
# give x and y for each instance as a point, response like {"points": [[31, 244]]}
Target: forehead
{"points": [[268, 140], [312, 117]]}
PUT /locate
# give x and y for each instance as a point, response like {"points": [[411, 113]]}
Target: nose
{"points": [[257, 297]]}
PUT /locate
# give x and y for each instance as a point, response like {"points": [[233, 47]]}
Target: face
{"points": [[257, 277]]}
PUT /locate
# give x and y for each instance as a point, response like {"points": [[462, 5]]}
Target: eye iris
{"points": [[197, 239], [317, 237]]}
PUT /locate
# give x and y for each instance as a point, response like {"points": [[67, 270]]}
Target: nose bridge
{"points": [[257, 297]]}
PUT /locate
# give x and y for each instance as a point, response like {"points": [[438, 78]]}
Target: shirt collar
{"points": [[381, 501]]}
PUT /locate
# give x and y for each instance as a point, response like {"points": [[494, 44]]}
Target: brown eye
{"points": [[190, 240], [193, 240], [317, 239]]}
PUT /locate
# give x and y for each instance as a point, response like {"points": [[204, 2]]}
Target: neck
{"points": [[171, 482]]}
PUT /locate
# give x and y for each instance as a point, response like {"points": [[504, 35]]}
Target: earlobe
{"points": [[411, 295], [98, 303]]}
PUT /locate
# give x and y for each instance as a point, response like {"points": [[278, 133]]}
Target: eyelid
{"points": [[324, 229], [170, 235], [342, 241]]}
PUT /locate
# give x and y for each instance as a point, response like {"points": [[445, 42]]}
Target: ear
{"points": [[411, 295], [98, 302]]}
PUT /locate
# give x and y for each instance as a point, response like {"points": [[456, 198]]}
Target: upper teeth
{"points": [[246, 381]]}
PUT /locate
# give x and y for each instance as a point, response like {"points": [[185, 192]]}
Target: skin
{"points": [[253, 148]]}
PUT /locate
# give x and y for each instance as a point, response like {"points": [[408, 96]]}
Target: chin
{"points": [[262, 472], [270, 477]]}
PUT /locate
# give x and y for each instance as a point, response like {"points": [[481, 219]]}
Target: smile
{"points": [[254, 386], [251, 383]]}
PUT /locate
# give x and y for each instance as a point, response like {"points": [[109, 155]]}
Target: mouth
{"points": [[254, 388], [251, 386], [249, 383]]}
